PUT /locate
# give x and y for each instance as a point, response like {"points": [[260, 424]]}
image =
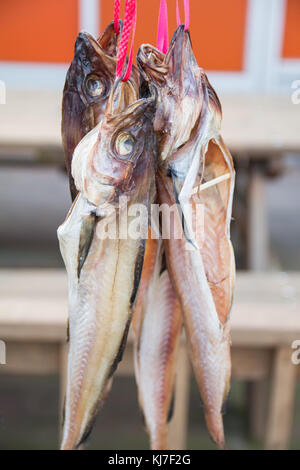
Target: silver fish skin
{"points": [[104, 272]]}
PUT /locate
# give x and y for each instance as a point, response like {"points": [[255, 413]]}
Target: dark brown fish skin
{"points": [[81, 111]]}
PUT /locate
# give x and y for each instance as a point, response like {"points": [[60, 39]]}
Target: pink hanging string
{"points": [[186, 14], [178, 14], [117, 16], [163, 29], [129, 25]]}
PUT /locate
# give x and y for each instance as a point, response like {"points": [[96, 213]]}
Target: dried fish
{"points": [[157, 325], [191, 152], [115, 159]]}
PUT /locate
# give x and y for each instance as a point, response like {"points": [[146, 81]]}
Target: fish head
{"points": [[113, 159], [176, 77], [88, 83]]}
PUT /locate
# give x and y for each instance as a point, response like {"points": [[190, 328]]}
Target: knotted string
{"points": [[117, 16], [129, 25]]}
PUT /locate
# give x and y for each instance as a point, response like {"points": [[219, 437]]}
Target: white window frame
{"points": [[281, 72], [264, 68], [265, 71]]}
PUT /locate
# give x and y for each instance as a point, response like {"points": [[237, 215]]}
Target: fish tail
{"points": [[214, 422]]}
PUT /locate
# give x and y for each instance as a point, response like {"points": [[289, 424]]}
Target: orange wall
{"points": [[217, 29], [38, 30], [291, 39], [44, 31]]}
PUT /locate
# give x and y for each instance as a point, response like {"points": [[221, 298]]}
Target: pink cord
{"points": [[163, 30], [117, 16], [186, 14], [178, 14], [129, 23]]}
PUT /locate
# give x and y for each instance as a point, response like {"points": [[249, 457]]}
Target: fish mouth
{"points": [[152, 63], [175, 64], [87, 45], [106, 44], [109, 39], [180, 55]]}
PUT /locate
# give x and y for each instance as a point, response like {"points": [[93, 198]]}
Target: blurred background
{"points": [[251, 52]]}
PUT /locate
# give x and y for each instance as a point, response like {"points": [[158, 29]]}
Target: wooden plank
{"points": [[251, 123], [281, 402], [30, 358], [258, 235], [251, 363], [33, 307]]}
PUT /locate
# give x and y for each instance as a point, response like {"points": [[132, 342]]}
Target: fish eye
{"points": [[124, 144], [94, 86]]}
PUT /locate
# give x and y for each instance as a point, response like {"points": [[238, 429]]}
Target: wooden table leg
{"points": [[258, 396], [281, 403], [179, 422], [258, 233]]}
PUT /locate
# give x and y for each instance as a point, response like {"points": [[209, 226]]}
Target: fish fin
{"points": [[184, 222], [88, 430], [171, 407], [99, 405], [163, 266], [138, 272], [68, 330], [120, 353], [63, 413], [225, 397], [214, 422], [86, 236]]}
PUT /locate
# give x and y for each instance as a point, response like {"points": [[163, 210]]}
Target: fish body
{"points": [[157, 325], [104, 272], [192, 152]]}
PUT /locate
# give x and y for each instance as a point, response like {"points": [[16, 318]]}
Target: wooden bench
{"points": [[265, 322], [252, 127]]}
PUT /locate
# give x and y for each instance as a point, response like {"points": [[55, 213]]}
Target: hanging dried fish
{"points": [[115, 159], [157, 323], [191, 152]]}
